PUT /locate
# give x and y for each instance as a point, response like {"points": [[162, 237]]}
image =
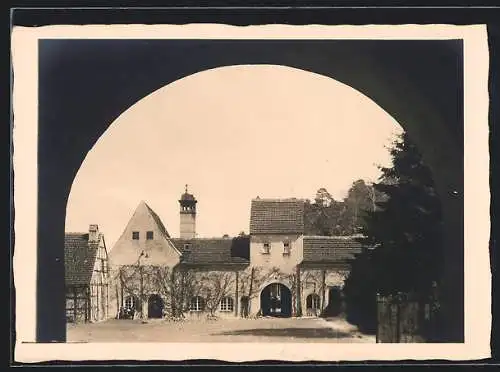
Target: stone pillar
{"points": [[323, 290], [236, 294], [144, 309], [298, 292]]}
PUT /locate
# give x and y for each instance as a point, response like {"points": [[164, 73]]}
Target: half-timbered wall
{"points": [[99, 286]]}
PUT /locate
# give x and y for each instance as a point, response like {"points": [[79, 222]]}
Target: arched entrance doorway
{"points": [[276, 300], [155, 307]]}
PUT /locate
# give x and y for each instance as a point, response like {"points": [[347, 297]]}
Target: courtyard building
{"points": [[275, 270], [86, 276]]}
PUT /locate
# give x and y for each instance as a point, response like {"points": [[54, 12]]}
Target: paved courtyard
{"points": [[222, 330]]}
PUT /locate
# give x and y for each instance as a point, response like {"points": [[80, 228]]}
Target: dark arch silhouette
{"points": [[418, 82], [155, 306], [276, 300]]}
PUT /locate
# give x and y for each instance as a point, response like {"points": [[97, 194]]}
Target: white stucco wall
{"points": [[276, 258]]}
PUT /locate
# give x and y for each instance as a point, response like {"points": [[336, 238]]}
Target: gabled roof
{"points": [[277, 216], [79, 258], [159, 249], [330, 249], [157, 220], [214, 251]]}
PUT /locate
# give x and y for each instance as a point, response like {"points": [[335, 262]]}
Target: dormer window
{"points": [[266, 248], [135, 235], [149, 235], [286, 248]]}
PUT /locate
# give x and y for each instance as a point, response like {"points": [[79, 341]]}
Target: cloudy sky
{"points": [[231, 134]]}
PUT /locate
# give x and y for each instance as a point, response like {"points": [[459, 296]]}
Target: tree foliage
{"points": [[177, 286], [327, 216], [215, 285], [250, 281], [402, 236], [138, 281]]}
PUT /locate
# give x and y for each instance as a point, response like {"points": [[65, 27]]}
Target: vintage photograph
{"points": [[298, 190]]}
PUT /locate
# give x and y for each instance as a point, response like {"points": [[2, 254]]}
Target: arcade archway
{"points": [[155, 307], [276, 300]]}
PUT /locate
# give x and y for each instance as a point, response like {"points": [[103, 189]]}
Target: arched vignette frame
{"points": [[105, 77]]}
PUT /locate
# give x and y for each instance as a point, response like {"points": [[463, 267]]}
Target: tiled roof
{"points": [[330, 249], [205, 251], [158, 221], [79, 258], [277, 216]]}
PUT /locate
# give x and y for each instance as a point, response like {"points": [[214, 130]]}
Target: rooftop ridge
{"points": [[211, 238], [278, 200], [340, 237], [157, 220]]}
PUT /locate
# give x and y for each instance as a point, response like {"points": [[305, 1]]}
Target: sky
{"points": [[231, 134]]}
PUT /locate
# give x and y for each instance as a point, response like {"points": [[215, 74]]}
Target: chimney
{"points": [[93, 233]]}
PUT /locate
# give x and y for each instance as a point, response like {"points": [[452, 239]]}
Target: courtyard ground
{"points": [[335, 330]]}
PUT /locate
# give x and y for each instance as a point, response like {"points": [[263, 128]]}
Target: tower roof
{"points": [[187, 196]]}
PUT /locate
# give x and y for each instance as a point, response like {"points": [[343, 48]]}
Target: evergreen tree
{"points": [[327, 216], [403, 237]]}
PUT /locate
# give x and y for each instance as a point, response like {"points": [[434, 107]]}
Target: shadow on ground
{"points": [[287, 332]]}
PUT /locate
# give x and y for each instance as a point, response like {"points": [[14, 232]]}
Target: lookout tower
{"points": [[187, 204]]}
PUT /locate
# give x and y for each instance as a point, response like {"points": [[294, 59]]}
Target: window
{"points": [[130, 302], [266, 248], [197, 304], [227, 304], [135, 235], [312, 301], [149, 235], [286, 248], [104, 267]]}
